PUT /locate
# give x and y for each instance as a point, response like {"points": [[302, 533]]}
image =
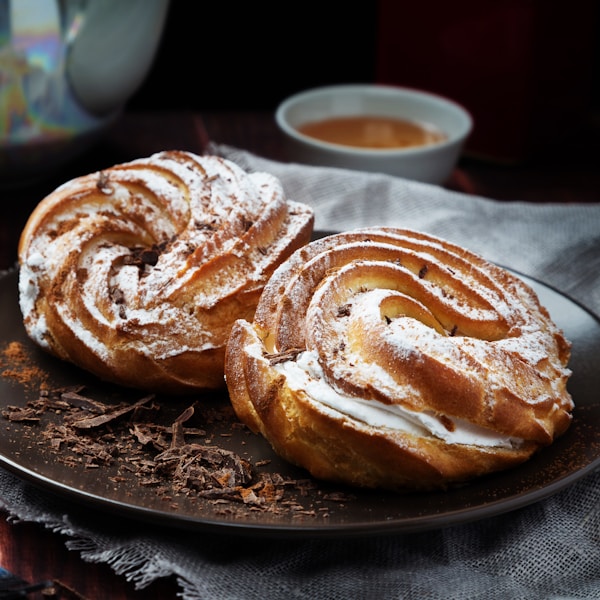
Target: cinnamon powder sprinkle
{"points": [[16, 364]]}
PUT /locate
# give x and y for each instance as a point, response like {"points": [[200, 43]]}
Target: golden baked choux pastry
{"points": [[136, 273], [388, 358]]}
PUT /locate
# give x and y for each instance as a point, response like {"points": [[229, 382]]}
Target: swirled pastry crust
{"points": [[389, 358], [137, 273]]}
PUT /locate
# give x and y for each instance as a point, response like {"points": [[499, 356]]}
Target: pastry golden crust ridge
{"points": [[390, 358], [137, 273]]}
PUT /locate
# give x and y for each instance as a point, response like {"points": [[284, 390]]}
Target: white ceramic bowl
{"points": [[431, 163]]}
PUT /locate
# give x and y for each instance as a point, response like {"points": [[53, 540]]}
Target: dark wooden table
{"points": [[571, 176]]}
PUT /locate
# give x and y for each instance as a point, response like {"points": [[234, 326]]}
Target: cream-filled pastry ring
{"points": [[389, 358], [136, 273]]}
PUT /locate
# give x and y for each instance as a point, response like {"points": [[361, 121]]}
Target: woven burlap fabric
{"points": [[549, 550], [556, 243]]}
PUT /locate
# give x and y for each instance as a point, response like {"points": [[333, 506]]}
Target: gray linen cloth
{"points": [[549, 550]]}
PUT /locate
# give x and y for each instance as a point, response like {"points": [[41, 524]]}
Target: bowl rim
{"points": [[384, 89]]}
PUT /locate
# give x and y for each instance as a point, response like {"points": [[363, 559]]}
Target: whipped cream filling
{"points": [[305, 374]]}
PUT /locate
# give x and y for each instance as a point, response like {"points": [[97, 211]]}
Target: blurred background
{"points": [[528, 70]]}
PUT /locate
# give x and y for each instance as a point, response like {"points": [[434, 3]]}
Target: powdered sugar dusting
{"points": [[155, 246], [394, 321]]}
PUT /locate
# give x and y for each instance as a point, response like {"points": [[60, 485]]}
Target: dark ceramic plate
{"points": [[316, 510]]}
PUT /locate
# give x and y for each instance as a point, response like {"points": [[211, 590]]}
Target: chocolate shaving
{"points": [[344, 310], [281, 357], [203, 468], [339, 348], [149, 257], [103, 185], [75, 399], [116, 295], [107, 417], [81, 274], [140, 257], [177, 427], [145, 436], [204, 226], [423, 271], [20, 415]]}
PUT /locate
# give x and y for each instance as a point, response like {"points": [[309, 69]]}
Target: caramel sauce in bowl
{"points": [[373, 132], [398, 131]]}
